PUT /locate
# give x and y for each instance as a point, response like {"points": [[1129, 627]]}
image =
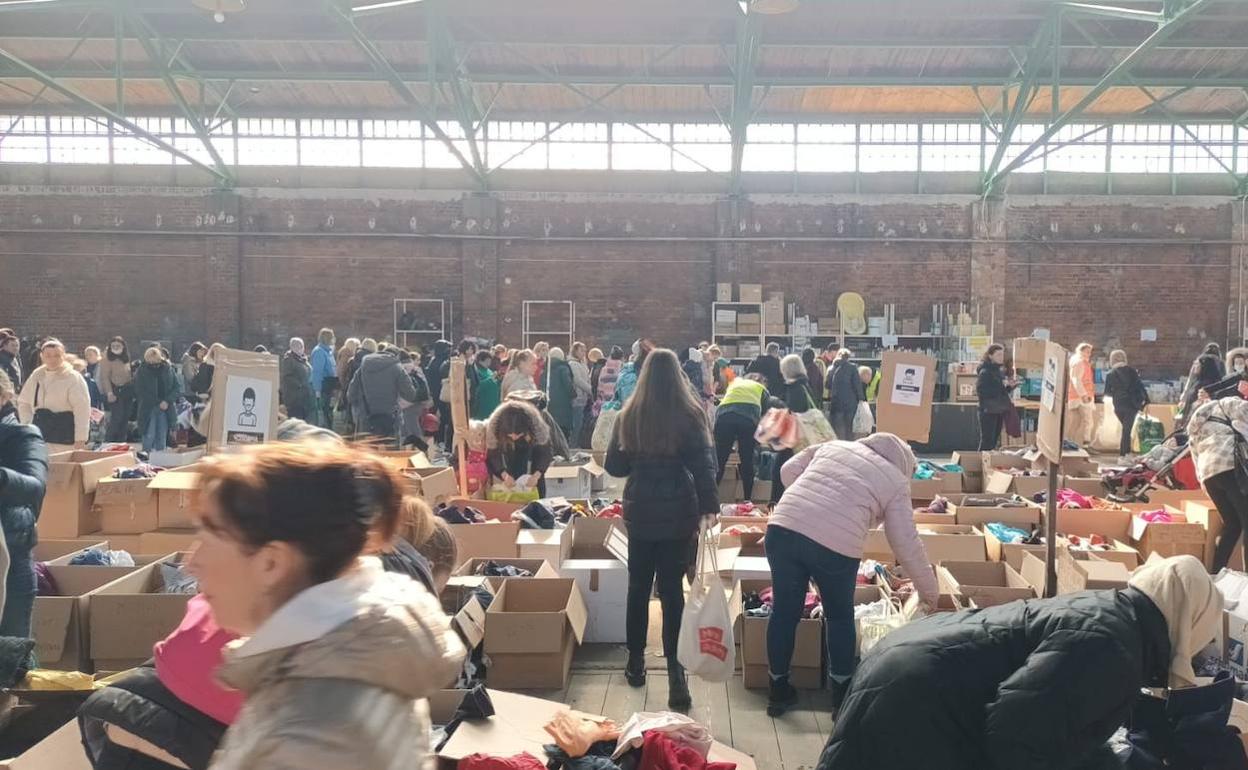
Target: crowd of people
{"points": [[317, 634]]}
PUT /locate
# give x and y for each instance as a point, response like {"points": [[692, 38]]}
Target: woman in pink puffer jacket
{"points": [[835, 493]]}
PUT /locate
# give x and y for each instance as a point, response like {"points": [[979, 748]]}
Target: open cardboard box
{"points": [[598, 562], [1173, 539], [126, 506], [952, 542], [978, 515], [743, 557], [807, 663], [68, 507], [1005, 483], [518, 726], [532, 629], [52, 548], [549, 545], [1175, 498], [987, 583], [130, 614], [494, 511], [574, 480], [1075, 572], [62, 750], [177, 457], [60, 624], [972, 470], [177, 497], [1088, 486], [433, 485], [494, 539]]}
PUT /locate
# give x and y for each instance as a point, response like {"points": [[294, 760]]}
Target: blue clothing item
{"points": [[156, 434], [1007, 534], [795, 560], [322, 366], [19, 602], [92, 557], [626, 384]]}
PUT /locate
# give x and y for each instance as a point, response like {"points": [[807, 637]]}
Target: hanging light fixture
{"points": [[219, 8]]}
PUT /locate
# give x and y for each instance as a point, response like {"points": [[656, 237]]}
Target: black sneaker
{"points": [[635, 670], [781, 696], [839, 690], [678, 698]]}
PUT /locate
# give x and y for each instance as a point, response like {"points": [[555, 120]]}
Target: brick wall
{"points": [[257, 266]]}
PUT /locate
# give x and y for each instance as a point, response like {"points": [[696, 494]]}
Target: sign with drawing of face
{"points": [[247, 406], [908, 385]]}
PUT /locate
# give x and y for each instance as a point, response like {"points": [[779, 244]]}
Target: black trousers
{"points": [[1127, 418], [328, 392], [736, 430], [119, 415], [647, 559], [777, 486], [842, 425], [989, 430], [1232, 506]]}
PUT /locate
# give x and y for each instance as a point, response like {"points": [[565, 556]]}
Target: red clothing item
{"points": [[659, 752], [187, 662], [524, 761]]}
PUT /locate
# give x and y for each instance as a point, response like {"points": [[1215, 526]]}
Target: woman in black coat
{"points": [[1124, 386], [661, 443], [1208, 369], [518, 443], [23, 482], [993, 391], [798, 398], [845, 392], [1035, 685]]}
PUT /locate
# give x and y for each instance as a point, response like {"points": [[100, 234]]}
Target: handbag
{"points": [[705, 646], [997, 405], [1240, 451], [815, 428], [1187, 728], [56, 427]]}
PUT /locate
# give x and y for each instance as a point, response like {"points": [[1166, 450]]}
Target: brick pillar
{"points": [[732, 217], [225, 297], [479, 267], [988, 262], [1238, 278]]}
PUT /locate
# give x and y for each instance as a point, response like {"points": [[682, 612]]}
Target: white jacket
{"points": [[63, 390]]}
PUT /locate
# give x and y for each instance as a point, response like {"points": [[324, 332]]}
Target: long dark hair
{"points": [[992, 349], [662, 410]]}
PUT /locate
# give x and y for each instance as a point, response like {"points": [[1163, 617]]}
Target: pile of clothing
{"points": [[612, 511], [647, 741], [743, 509], [925, 469], [1069, 499], [140, 471], [867, 574], [1007, 534], [176, 580], [759, 604], [494, 569], [994, 501], [743, 529], [101, 557], [938, 505], [536, 515], [1092, 543], [1023, 472], [1157, 517], [453, 514]]}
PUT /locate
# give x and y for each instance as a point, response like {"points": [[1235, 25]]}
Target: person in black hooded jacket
{"points": [[993, 391], [1030, 685], [1208, 369], [661, 443], [23, 482], [845, 392]]}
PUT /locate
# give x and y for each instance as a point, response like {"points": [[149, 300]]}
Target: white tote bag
{"points": [[706, 646]]}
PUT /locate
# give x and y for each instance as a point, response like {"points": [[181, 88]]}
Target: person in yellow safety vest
{"points": [[736, 420], [870, 382]]}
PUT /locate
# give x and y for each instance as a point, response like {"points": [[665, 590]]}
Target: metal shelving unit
{"points": [[531, 336], [435, 308]]}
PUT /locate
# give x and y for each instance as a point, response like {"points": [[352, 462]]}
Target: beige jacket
{"points": [[61, 391], [337, 678], [113, 375]]}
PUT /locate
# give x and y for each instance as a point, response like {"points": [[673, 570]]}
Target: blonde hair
{"points": [[153, 355], [89, 349], [415, 520], [1082, 346], [369, 344], [844, 354], [1118, 357]]}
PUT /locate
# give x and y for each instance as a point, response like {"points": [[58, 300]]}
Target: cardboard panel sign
{"points": [[1052, 402], [906, 389], [243, 410]]}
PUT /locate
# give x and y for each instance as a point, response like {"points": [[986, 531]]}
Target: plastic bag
{"points": [[815, 428], [603, 429], [872, 629], [706, 647], [864, 421], [779, 429], [501, 494]]}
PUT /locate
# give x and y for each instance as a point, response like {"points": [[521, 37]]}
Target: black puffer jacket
{"points": [[666, 496], [1037, 685], [844, 387], [23, 478]]}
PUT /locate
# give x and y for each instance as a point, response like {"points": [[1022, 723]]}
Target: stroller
{"points": [[1166, 466]]}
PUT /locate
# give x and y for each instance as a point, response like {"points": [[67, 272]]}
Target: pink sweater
{"points": [[837, 491]]}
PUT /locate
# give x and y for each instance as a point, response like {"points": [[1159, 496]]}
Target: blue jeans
{"points": [[578, 422], [20, 582], [156, 436], [795, 560]]}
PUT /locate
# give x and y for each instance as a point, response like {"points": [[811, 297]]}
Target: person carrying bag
{"points": [[706, 646]]}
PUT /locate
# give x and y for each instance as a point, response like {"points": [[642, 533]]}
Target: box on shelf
{"points": [[911, 326], [964, 388], [126, 506], [177, 497], [598, 562], [723, 292], [987, 583], [725, 316], [750, 292], [131, 614], [1168, 539], [60, 624], [575, 481], [806, 670], [69, 504], [532, 629], [728, 349]]}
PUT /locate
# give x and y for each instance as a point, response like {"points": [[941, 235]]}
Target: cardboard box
{"points": [[575, 481], [987, 583], [1177, 498], [1088, 572], [126, 506], [927, 489], [923, 517], [1087, 486], [978, 515], [167, 540], [492, 539], [177, 457], [177, 497], [433, 485], [1173, 539], [60, 624], [1029, 353], [998, 482], [598, 562], [68, 507], [62, 750], [972, 470], [538, 568], [494, 511], [518, 726], [244, 399], [750, 292], [1010, 553], [548, 545], [723, 292], [1206, 514], [47, 550], [1114, 526], [806, 670], [532, 629], [130, 614], [951, 542]]}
